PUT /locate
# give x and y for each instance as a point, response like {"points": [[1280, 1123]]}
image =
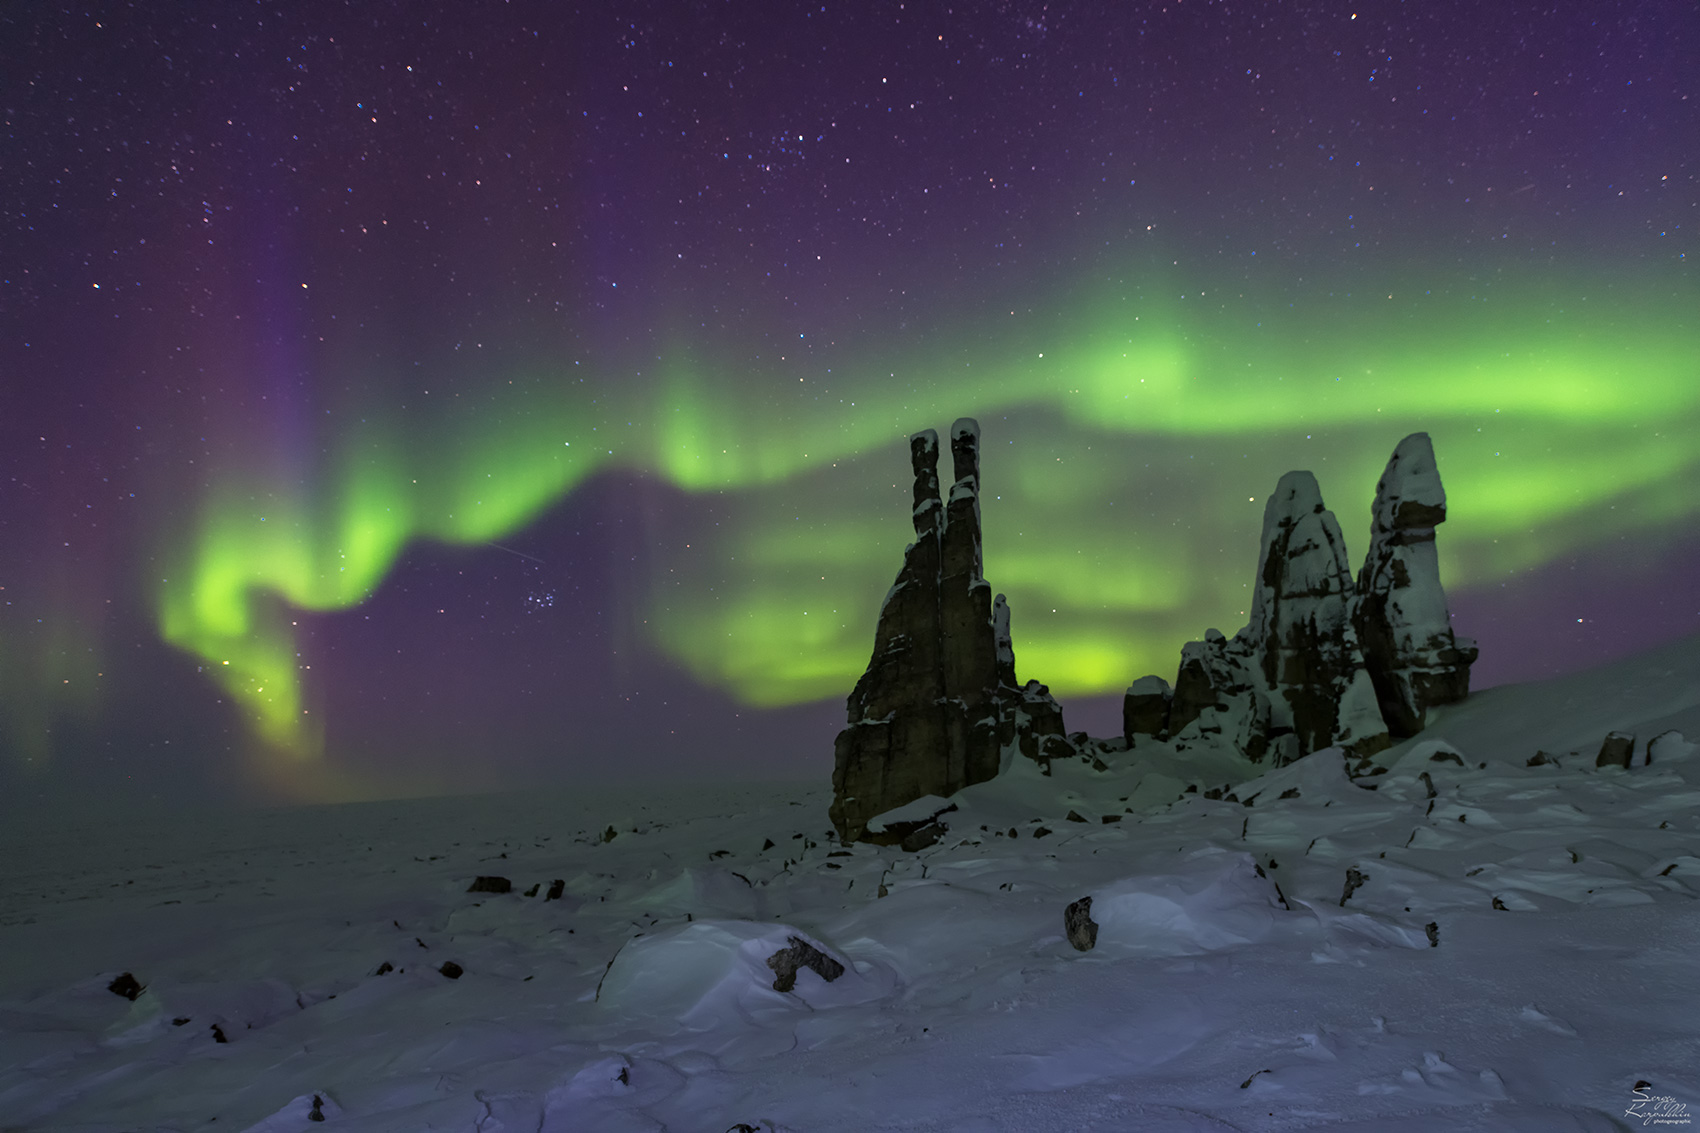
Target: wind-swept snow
{"points": [[1475, 943]]}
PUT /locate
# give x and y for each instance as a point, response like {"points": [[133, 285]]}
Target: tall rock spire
{"points": [[1301, 628], [923, 717], [1413, 657]]}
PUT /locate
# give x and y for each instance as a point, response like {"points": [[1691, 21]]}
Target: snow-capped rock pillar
{"points": [[1412, 655]]}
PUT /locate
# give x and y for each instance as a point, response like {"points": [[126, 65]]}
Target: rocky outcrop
{"points": [[1301, 630], [1030, 721], [923, 717], [1145, 709], [1324, 660], [1414, 659]]}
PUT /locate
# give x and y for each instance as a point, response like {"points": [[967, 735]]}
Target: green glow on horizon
{"points": [[1122, 521]]}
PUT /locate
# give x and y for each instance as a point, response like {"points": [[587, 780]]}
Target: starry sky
{"points": [[413, 398]]}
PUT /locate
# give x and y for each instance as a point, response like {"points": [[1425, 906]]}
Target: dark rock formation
{"points": [[1145, 709], [1082, 930], [938, 702], [800, 954], [490, 885], [1616, 750], [1301, 630], [1324, 661], [1414, 659], [126, 985], [452, 970]]}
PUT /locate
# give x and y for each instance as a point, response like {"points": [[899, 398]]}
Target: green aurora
{"points": [[1128, 449]]}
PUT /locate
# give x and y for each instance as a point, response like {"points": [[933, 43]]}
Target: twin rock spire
{"points": [[1322, 662]]}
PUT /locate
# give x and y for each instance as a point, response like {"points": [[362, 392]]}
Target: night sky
{"points": [[403, 398]]}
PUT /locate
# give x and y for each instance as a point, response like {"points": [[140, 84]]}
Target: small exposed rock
{"points": [[767, 844], [384, 969], [452, 970], [801, 954], [1500, 905], [1041, 832], [1289, 793], [318, 1111], [1616, 750], [1354, 882], [1246, 1085], [180, 1020], [532, 892], [127, 986], [218, 1034], [1433, 930], [490, 885], [1109, 818], [556, 888], [1540, 758], [609, 834], [1081, 928], [1447, 757], [1074, 816]]}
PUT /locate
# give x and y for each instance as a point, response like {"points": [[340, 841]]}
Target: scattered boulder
{"points": [[1433, 931], [452, 970], [1078, 924], [557, 887], [532, 892], [218, 1034], [126, 985], [1616, 750], [1354, 882], [800, 954], [490, 885], [1414, 659]]}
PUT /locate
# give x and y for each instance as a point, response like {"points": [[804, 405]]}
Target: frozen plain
{"points": [[1230, 988]]}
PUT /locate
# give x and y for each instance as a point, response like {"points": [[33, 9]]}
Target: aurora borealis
{"points": [[408, 400]]}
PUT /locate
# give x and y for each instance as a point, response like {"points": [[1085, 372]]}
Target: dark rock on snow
{"points": [[799, 954], [127, 986], [1082, 930], [1354, 881], [1616, 751], [1145, 709], [490, 885], [452, 970], [556, 888]]}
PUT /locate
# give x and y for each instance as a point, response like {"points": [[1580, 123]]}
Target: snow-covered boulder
{"points": [[710, 974], [1212, 899]]}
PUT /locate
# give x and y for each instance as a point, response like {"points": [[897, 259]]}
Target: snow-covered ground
{"points": [[1519, 952]]}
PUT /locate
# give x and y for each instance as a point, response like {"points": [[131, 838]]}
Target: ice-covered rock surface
{"points": [[1413, 657], [1560, 899]]}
